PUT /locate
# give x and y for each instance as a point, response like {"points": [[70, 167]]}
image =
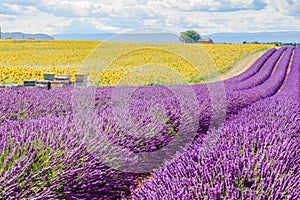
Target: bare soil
{"points": [[239, 67]]}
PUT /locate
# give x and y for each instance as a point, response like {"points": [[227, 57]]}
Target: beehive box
{"points": [[66, 78], [56, 84], [29, 83], [42, 82], [41, 86], [11, 85], [66, 75], [81, 77], [81, 84], [46, 83], [49, 76]]}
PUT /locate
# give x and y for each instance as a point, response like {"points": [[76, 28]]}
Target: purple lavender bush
{"points": [[254, 155], [46, 158]]}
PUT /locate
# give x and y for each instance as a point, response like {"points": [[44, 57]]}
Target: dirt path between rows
{"points": [[287, 71], [239, 67], [242, 65]]}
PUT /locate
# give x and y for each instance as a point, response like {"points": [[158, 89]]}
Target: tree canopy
{"points": [[189, 36]]}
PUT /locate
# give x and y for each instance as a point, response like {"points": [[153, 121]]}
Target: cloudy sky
{"points": [[100, 16]]}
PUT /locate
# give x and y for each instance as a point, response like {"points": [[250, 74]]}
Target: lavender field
{"points": [[233, 139]]}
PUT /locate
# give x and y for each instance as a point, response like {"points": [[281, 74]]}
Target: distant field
{"points": [[109, 62]]}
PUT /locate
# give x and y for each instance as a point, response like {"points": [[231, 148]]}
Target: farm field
{"points": [[25, 59], [231, 139]]}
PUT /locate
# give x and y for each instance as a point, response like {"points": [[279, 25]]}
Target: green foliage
{"points": [[274, 43], [189, 36]]}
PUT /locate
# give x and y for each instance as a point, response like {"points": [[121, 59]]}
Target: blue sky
{"points": [[100, 16]]}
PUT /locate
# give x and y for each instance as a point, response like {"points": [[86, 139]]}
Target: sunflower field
{"points": [[113, 63]]}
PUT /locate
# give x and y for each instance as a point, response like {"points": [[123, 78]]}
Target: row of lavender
{"points": [[255, 155], [40, 150]]}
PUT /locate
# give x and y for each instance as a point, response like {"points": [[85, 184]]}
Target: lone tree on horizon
{"points": [[189, 36]]}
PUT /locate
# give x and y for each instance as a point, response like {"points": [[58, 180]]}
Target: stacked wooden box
{"points": [[62, 80], [56, 81], [51, 80]]}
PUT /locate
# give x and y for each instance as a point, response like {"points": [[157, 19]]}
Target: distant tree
{"points": [[189, 36]]}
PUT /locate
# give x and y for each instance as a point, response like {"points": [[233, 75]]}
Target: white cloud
{"points": [[209, 5], [286, 7], [205, 16], [150, 22], [71, 9]]}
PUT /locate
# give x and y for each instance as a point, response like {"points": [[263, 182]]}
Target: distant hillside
{"points": [[19, 35], [132, 37], [172, 38], [286, 37], [82, 36]]}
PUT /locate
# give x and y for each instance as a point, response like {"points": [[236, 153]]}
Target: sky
{"points": [[117, 16]]}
